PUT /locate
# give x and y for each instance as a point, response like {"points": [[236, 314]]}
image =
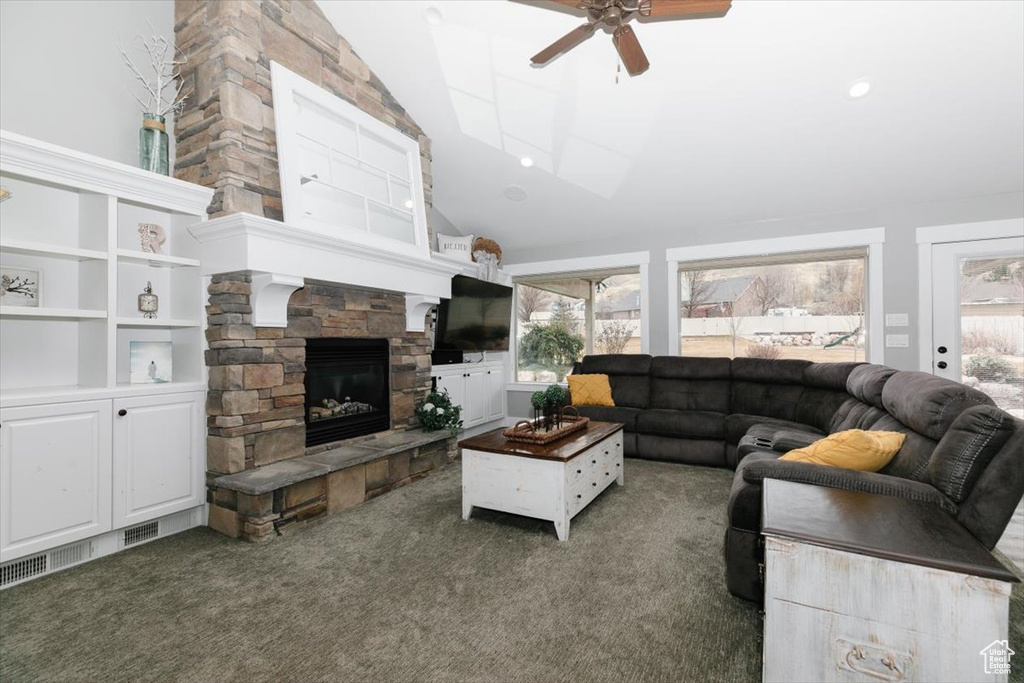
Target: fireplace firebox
{"points": [[348, 390]]}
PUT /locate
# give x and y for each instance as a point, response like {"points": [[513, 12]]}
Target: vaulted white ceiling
{"points": [[739, 119]]}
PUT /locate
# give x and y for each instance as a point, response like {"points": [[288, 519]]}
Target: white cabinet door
{"points": [[474, 410], [159, 456], [455, 384], [54, 475], [495, 393]]}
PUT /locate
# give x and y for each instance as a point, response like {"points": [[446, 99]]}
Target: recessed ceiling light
{"points": [[527, 162], [514, 193], [433, 16], [859, 88]]}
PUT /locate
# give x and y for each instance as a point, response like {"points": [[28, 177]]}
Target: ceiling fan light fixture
{"points": [[859, 88], [526, 162], [433, 15]]}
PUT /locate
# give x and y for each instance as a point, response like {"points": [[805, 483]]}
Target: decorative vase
{"points": [[153, 154]]}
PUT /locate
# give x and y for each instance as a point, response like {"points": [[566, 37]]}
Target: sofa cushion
{"points": [[853, 449], [967, 448], [777, 401], [627, 416], [629, 375], [829, 375], [926, 403], [737, 424], [865, 383], [590, 390], [912, 460], [690, 383], [854, 414], [785, 371], [681, 423], [817, 407]]}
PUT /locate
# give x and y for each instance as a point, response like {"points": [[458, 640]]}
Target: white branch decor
{"points": [[161, 76]]}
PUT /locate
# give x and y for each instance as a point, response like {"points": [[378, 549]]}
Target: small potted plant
{"points": [[436, 411], [554, 399]]}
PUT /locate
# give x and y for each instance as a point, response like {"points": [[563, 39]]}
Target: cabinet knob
{"points": [[579, 471], [593, 483], [122, 412], [606, 452], [579, 495], [594, 461]]}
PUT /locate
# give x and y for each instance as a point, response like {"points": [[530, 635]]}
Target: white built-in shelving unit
{"points": [[83, 451]]}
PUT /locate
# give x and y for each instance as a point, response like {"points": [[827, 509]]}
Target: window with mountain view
{"points": [[560, 318], [807, 305]]}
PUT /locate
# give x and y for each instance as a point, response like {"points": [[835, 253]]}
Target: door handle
{"points": [[942, 365], [942, 349]]}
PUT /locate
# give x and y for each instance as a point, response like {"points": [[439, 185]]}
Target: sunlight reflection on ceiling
{"points": [[558, 115]]}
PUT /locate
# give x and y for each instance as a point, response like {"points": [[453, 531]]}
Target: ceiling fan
{"points": [[616, 14]]}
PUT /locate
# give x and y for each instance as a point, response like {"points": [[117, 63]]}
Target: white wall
{"points": [[62, 79], [900, 258]]}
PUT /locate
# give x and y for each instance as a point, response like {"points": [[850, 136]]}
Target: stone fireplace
{"points": [[347, 388], [264, 470]]}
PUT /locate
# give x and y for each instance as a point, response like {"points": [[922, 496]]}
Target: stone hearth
{"points": [[255, 408]]}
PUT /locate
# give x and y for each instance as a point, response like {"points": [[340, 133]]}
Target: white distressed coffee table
{"points": [[553, 481]]}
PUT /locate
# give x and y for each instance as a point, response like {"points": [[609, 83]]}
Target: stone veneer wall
{"points": [[255, 406], [225, 135]]}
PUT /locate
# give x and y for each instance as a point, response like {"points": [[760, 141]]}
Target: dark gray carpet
{"points": [[401, 589]]}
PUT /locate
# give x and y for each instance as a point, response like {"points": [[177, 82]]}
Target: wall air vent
{"points": [[142, 533], [179, 521], [20, 570]]}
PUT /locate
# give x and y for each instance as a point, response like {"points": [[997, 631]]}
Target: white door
{"points": [[495, 393], [978, 317], [54, 475], [475, 408], [978, 332], [159, 456]]}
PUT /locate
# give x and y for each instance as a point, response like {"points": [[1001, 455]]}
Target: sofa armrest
{"points": [[786, 440], [757, 467]]}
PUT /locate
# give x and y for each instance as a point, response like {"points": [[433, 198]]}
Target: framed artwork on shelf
{"points": [[20, 286], [150, 362]]}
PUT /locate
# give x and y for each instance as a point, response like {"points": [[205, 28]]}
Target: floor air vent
{"points": [[179, 521], [19, 570], [142, 533], [69, 555]]}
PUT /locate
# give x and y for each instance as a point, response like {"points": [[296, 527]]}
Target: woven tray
{"points": [[525, 431]]}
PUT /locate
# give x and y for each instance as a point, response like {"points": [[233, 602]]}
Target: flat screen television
{"points": [[476, 318]]}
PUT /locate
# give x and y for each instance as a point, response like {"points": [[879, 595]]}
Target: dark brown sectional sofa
{"points": [[961, 452]]}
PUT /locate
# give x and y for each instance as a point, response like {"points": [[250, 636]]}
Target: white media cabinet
{"points": [[89, 462]]}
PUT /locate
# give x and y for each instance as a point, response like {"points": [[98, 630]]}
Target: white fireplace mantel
{"points": [[282, 256]]}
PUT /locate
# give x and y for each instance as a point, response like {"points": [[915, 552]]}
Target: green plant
{"points": [[554, 396], [436, 411], [550, 346], [990, 368], [537, 400]]}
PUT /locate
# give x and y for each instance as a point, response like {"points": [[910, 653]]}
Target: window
{"points": [[808, 305], [560, 318]]}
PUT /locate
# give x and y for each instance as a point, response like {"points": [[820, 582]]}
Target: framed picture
{"points": [[150, 362], [20, 286]]}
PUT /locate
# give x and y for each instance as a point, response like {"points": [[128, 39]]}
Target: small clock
{"points": [[148, 302]]}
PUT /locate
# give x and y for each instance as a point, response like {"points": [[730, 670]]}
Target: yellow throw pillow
{"points": [[854, 449], [590, 390]]}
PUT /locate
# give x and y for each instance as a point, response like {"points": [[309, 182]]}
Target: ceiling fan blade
{"points": [[564, 44], [684, 9], [633, 57]]}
